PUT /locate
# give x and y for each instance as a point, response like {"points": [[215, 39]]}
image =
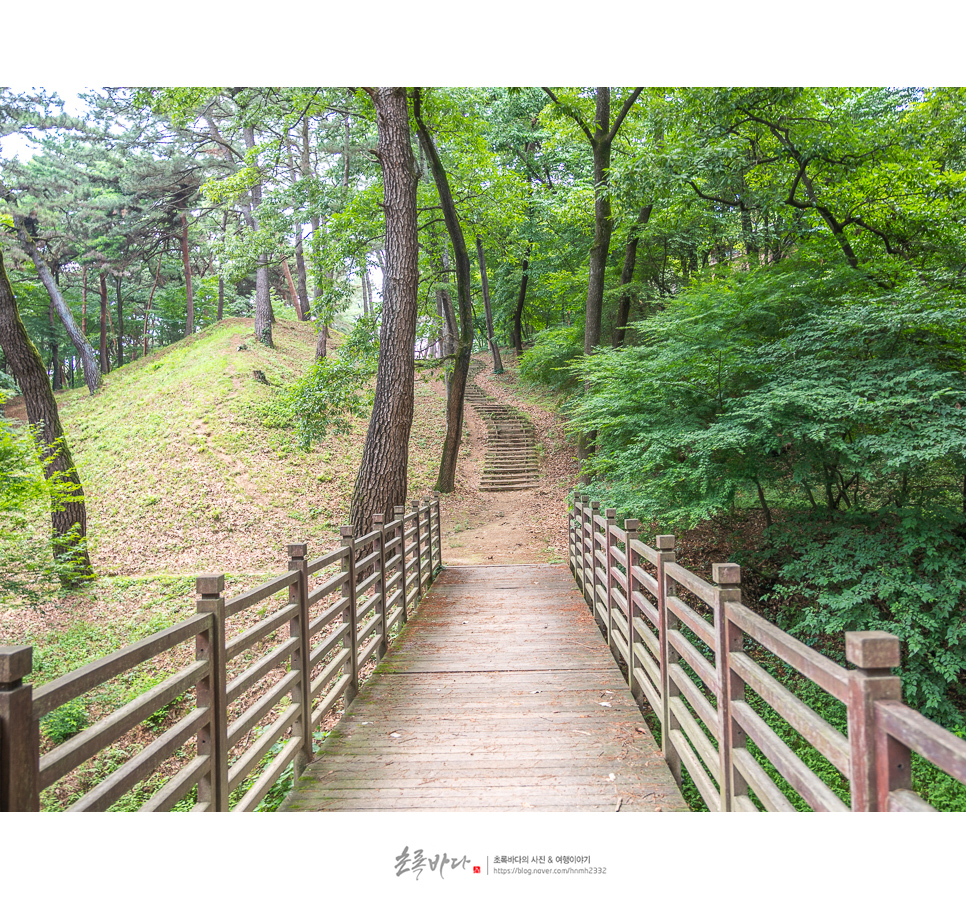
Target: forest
{"points": [[749, 305]]}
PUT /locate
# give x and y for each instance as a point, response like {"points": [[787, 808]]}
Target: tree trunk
{"points": [[92, 375], [497, 362], [221, 298], [627, 275], [521, 299], [603, 223], [300, 273], [263, 299], [120, 322], [296, 302], [105, 359], [68, 518], [186, 260], [446, 481], [382, 479], [147, 309], [84, 301]]}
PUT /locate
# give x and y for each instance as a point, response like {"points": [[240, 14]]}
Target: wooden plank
{"points": [[248, 678], [240, 769], [939, 746], [142, 765], [326, 588], [250, 598], [337, 609], [465, 708], [687, 579], [261, 707], [176, 788], [650, 611], [330, 558], [786, 761], [693, 620], [331, 641], [695, 770], [244, 641], [645, 578], [699, 664], [761, 783], [269, 776], [811, 726], [648, 552], [706, 712], [63, 758], [907, 800], [50, 696], [827, 674]]}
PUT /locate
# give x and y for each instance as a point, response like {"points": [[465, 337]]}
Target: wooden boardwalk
{"points": [[499, 695]]}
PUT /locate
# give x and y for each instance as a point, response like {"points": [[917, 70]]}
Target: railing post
{"points": [[610, 541], [378, 524], [429, 539], [351, 641], [414, 506], [572, 539], [213, 736], [299, 626], [586, 528], [630, 528], [19, 733], [665, 554], [873, 653], [438, 564], [727, 590], [594, 508], [400, 514]]}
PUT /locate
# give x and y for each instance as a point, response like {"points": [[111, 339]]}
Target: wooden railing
{"points": [[690, 648], [340, 609]]}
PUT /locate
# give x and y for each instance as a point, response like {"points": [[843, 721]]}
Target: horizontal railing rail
{"points": [[694, 652], [267, 667]]}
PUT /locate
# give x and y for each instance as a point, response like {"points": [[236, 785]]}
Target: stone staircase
{"points": [[511, 458]]}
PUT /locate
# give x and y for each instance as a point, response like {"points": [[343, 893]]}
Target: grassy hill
{"points": [[183, 477]]}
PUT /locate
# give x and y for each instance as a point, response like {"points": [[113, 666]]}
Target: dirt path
{"points": [[526, 526]]}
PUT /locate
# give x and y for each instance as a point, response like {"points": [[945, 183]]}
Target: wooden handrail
{"points": [[321, 652], [665, 669]]}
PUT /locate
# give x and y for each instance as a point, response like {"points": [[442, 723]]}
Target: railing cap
{"points": [[726, 573], [209, 585], [631, 523], [872, 649], [347, 531], [665, 541], [298, 550], [378, 519], [611, 513], [16, 662]]}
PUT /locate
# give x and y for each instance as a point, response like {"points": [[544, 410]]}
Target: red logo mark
{"points": [[476, 870]]}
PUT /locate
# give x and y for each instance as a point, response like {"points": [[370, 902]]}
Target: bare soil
{"points": [[519, 527]]}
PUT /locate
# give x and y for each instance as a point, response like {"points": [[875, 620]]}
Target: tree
{"points": [[68, 517], [381, 482], [456, 391]]}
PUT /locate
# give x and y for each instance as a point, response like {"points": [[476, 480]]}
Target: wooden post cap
{"points": [[595, 505], [872, 649], [726, 573], [298, 550], [347, 531], [665, 541], [398, 509], [611, 513], [210, 585], [377, 519], [16, 662], [631, 523], [414, 505]]}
